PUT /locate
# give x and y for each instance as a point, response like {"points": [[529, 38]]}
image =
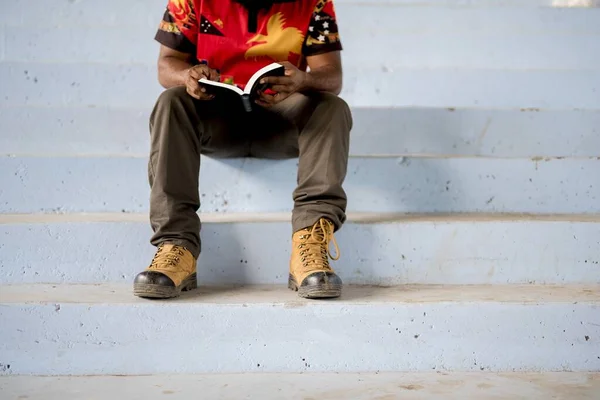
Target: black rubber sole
{"points": [[149, 291], [323, 291]]}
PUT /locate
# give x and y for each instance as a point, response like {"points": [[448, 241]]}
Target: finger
{"points": [[281, 88], [279, 97], [213, 75], [262, 103], [290, 68], [277, 80], [195, 88], [205, 94], [192, 93], [195, 73], [192, 84], [199, 72], [198, 94], [267, 98]]}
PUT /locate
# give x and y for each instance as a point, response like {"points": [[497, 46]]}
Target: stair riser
{"points": [[414, 185], [258, 253], [379, 131], [84, 84], [403, 16], [570, 50], [195, 338]]}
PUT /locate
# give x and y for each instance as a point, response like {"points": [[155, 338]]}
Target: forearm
{"points": [[324, 79], [172, 71]]}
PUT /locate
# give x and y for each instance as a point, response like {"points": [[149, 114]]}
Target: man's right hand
{"points": [[195, 89]]}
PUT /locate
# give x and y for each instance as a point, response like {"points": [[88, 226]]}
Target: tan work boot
{"points": [[310, 273], [172, 271]]}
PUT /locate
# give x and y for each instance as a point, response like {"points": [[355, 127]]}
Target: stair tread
{"points": [[357, 386], [58, 329], [284, 216], [120, 293]]}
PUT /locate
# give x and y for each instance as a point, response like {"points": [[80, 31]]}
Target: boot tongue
{"points": [[310, 236]]}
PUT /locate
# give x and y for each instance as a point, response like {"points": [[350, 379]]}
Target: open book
{"points": [[252, 89]]}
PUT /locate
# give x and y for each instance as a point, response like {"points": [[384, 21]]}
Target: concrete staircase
{"points": [[474, 236]]}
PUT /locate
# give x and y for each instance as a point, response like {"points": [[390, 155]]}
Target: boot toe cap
{"points": [[321, 278], [153, 278]]}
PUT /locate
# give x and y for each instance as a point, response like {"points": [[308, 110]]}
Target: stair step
{"points": [[310, 386], [418, 48], [76, 84], [477, 16], [373, 184], [249, 249], [81, 131], [103, 329]]}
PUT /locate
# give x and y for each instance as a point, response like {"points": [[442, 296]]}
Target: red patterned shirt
{"points": [[223, 34]]}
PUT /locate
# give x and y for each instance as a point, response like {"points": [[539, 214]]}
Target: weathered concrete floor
{"points": [[382, 386], [120, 293]]}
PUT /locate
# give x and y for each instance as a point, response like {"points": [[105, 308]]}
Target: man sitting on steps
{"points": [[302, 116]]}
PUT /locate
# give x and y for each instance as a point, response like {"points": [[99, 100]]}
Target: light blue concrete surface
{"points": [[2, 42], [437, 15], [500, 78], [61, 131], [273, 331], [475, 88], [423, 37], [452, 18], [549, 50], [423, 252], [416, 185], [85, 84]]}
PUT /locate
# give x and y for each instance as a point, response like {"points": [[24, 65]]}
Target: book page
{"points": [[222, 85], [258, 74]]}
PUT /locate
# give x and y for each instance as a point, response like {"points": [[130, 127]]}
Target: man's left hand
{"points": [[293, 81]]}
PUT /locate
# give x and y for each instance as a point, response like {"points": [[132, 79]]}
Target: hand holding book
{"points": [[193, 85], [281, 87], [253, 91]]}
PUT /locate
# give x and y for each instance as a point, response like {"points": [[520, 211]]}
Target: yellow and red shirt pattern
{"points": [[216, 32]]}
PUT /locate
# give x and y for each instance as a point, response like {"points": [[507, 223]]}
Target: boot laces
{"points": [[314, 249], [167, 260]]}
